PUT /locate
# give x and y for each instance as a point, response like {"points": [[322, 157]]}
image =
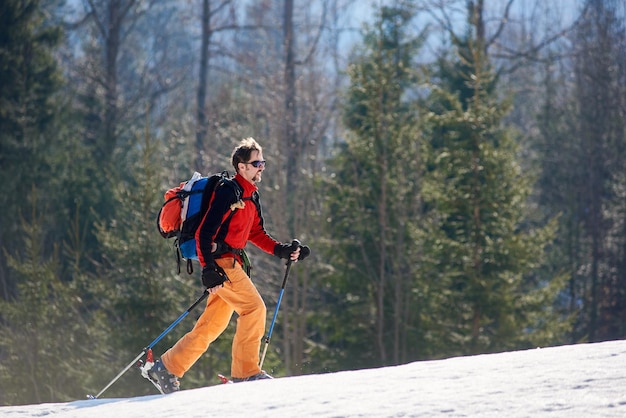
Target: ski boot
{"points": [[167, 381], [258, 376], [158, 375]]}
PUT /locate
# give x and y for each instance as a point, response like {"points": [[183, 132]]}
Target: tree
{"points": [[375, 197], [481, 248], [120, 66], [50, 342], [216, 18], [30, 79], [600, 71], [581, 149], [116, 78]]}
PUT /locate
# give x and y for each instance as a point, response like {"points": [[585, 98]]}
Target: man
{"points": [[220, 239]]}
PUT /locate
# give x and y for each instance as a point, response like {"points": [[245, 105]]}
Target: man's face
{"points": [[249, 171]]}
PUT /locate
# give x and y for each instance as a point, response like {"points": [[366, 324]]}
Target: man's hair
{"points": [[242, 152]]}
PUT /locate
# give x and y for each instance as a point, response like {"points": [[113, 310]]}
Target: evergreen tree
{"points": [[50, 342], [482, 252], [374, 201], [581, 145], [29, 81], [600, 127]]}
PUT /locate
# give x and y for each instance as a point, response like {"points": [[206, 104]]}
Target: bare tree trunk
{"points": [[302, 126], [382, 271], [291, 163], [291, 140], [381, 131], [201, 115], [476, 16], [112, 47], [110, 16]]}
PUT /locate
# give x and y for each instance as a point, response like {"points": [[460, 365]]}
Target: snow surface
{"points": [[585, 380]]}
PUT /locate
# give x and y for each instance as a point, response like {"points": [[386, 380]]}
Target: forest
{"points": [[457, 168]]}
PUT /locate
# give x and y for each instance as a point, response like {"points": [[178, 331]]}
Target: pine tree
{"points": [[374, 199], [49, 339], [482, 252], [598, 172], [30, 80]]}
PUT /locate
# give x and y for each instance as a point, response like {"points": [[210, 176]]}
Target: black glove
{"points": [[285, 250], [304, 252], [213, 275]]}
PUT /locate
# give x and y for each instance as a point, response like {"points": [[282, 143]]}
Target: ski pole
{"points": [[152, 344], [280, 298]]}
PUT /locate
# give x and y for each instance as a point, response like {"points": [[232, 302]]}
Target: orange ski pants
{"points": [[238, 295]]}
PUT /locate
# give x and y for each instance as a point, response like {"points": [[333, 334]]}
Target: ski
{"points": [[224, 379]]}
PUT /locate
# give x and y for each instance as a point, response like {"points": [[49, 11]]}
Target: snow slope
{"points": [[586, 380]]}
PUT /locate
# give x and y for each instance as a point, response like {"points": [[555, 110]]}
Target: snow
{"points": [[584, 380]]}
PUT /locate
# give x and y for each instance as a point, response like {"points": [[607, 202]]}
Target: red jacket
{"points": [[244, 225]]}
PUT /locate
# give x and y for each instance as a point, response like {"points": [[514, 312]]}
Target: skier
{"points": [[220, 248]]}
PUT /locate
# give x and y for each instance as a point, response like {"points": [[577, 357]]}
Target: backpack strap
{"points": [[255, 199], [223, 247]]}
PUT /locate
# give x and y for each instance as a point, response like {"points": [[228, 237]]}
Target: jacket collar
{"points": [[248, 188]]}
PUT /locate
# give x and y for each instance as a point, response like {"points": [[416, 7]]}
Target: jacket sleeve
{"points": [[219, 206]]}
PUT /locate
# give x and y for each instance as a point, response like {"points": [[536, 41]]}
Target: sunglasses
{"points": [[257, 163]]}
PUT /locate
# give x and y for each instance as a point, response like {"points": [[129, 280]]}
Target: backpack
{"points": [[185, 207]]}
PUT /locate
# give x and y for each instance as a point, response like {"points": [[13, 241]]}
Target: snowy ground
{"points": [[586, 380]]}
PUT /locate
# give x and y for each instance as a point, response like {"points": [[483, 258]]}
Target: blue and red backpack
{"points": [[185, 207]]}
